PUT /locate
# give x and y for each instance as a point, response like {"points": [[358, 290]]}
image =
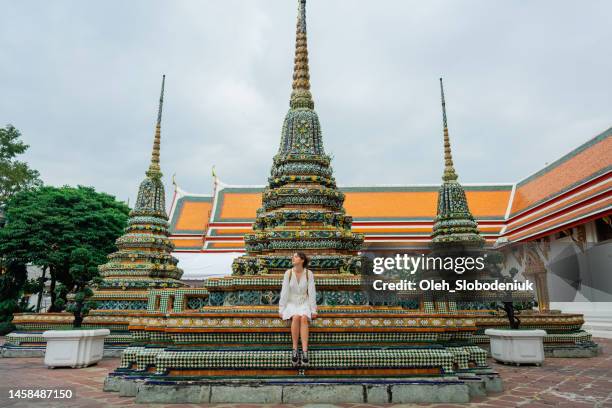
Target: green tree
{"points": [[12, 282], [45, 225], [84, 273], [15, 175]]}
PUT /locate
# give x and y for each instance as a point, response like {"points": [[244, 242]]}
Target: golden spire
{"points": [[154, 169], [449, 170], [301, 96]]}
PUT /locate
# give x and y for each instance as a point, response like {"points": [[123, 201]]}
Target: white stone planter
{"points": [[517, 346], [74, 348]]}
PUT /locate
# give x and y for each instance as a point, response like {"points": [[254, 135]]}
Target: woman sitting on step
{"points": [[298, 302]]}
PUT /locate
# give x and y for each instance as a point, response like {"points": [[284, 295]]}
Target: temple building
{"points": [[569, 198]]}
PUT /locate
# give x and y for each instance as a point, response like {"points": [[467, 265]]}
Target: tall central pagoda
{"points": [[302, 206]]}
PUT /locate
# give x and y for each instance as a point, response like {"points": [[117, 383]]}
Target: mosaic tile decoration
{"points": [[129, 356], [159, 300], [472, 353], [460, 357], [223, 322], [275, 281], [281, 359], [314, 338]]}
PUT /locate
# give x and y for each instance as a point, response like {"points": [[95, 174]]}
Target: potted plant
{"points": [[77, 348], [515, 345]]}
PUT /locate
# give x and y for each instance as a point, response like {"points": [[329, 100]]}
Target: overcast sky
{"points": [[525, 83]]}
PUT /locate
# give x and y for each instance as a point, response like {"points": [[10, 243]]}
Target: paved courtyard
{"points": [[559, 382]]}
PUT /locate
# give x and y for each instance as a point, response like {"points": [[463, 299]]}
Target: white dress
{"points": [[298, 297]]}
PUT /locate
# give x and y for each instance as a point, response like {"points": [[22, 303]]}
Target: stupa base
{"points": [[25, 351], [575, 351], [564, 335], [297, 389], [28, 341]]}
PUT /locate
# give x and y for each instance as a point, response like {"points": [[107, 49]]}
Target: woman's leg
{"points": [[295, 330], [304, 332]]}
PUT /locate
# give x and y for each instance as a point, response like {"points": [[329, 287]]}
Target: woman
{"points": [[298, 302]]}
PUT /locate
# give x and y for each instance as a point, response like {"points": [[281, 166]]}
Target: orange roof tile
{"points": [[191, 215], [187, 243], [589, 159], [240, 205]]}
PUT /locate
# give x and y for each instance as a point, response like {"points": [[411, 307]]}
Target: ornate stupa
{"points": [[454, 223], [455, 232], [302, 206], [238, 335], [143, 260], [142, 264]]}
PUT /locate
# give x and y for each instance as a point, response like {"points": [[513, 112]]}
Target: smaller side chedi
{"points": [[142, 263]]}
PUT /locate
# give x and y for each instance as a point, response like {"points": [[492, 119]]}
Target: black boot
{"points": [[295, 358], [305, 360]]}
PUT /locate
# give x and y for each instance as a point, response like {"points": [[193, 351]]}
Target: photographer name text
{"points": [[457, 286]]}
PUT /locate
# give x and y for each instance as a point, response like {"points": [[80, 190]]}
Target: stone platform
{"points": [[27, 340], [451, 389], [560, 382]]}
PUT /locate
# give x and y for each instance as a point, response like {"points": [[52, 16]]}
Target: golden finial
{"points": [[449, 169], [301, 96], [154, 169]]}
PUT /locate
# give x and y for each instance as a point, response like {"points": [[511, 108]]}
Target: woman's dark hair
{"points": [[303, 257]]}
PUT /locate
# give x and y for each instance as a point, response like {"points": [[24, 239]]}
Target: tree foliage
{"points": [[15, 175], [12, 282], [44, 226], [84, 273]]}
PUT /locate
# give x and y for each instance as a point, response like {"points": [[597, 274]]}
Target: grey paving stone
{"points": [[450, 393], [377, 394], [179, 394], [315, 393], [111, 384], [261, 394]]}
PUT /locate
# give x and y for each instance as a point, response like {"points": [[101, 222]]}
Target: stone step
{"points": [[448, 389], [8, 351]]}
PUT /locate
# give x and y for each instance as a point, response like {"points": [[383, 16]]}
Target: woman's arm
{"points": [[312, 294], [282, 302]]}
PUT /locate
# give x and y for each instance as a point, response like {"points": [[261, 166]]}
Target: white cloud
{"points": [[525, 82]]}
